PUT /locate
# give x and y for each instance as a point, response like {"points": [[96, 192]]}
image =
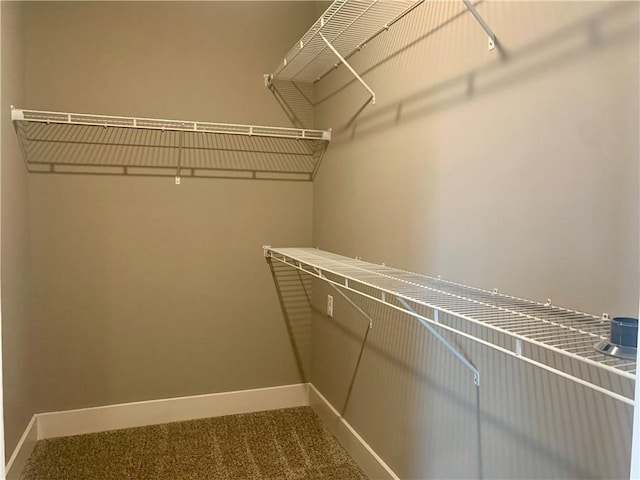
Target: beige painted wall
{"points": [[143, 289], [140, 287], [528, 184], [17, 349], [518, 172], [193, 61], [146, 290]]}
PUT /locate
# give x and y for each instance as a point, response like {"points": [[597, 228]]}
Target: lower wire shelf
{"points": [[555, 339]]}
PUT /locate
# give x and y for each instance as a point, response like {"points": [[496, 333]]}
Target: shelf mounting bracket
{"points": [[353, 304], [445, 342], [492, 37], [346, 64]]}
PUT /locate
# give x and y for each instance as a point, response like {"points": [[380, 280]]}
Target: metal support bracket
{"points": [[346, 64], [362, 312], [492, 37], [445, 342]]}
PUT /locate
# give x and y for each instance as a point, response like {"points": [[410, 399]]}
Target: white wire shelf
{"points": [[344, 29], [55, 142], [347, 25], [556, 339]]}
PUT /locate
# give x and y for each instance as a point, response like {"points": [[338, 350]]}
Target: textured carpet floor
{"points": [[285, 444]]}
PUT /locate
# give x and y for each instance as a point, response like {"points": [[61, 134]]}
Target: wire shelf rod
{"points": [[562, 340], [467, 299], [464, 311], [497, 294], [172, 147], [534, 325], [172, 165]]}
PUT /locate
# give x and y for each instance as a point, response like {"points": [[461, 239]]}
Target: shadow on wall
{"points": [[430, 419], [296, 99], [404, 393], [114, 150], [612, 24], [294, 295]]}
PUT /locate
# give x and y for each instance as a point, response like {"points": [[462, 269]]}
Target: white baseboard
{"points": [[153, 412], [18, 460], [353, 443]]}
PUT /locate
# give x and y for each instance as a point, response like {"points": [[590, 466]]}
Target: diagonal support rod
{"points": [[492, 37], [469, 365], [346, 64], [445, 342], [362, 312]]}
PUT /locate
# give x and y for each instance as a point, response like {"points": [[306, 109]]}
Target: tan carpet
{"points": [[279, 444]]}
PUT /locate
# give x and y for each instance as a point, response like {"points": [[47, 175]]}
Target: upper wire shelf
{"points": [[347, 25], [55, 142], [556, 339], [342, 30]]}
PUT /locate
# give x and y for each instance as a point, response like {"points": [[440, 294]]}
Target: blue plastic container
{"points": [[624, 331]]}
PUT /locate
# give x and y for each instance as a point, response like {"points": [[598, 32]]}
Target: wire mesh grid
{"points": [[348, 25], [296, 99], [53, 140], [567, 333]]}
